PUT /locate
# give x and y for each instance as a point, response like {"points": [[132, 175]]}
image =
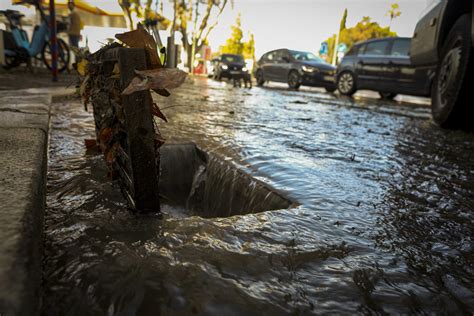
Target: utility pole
{"points": [[171, 49], [54, 40]]}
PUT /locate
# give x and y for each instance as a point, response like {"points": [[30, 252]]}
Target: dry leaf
{"points": [[162, 92], [155, 110], [161, 78], [90, 143], [159, 141], [140, 38]]}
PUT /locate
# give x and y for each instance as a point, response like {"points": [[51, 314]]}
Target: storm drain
{"points": [[208, 186]]}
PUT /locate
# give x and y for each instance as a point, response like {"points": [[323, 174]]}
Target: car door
{"points": [[268, 66], [372, 64], [400, 72], [406, 77], [423, 46], [282, 65]]}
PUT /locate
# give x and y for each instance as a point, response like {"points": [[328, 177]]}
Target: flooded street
{"points": [[385, 222]]}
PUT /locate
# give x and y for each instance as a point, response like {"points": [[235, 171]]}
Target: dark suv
{"points": [[382, 65], [229, 66], [295, 68], [443, 39]]}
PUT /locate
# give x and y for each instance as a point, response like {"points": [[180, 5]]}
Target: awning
{"points": [[97, 15]]}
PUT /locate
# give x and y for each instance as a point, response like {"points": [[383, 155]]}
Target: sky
{"points": [[294, 24]]}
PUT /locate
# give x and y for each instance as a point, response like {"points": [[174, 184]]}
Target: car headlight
{"points": [[224, 67], [309, 69], [245, 69]]}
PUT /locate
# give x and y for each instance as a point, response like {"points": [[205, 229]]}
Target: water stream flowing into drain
{"points": [[385, 222]]}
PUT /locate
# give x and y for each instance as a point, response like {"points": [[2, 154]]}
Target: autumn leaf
{"points": [[140, 38], [155, 110], [159, 141], [161, 78], [105, 136], [162, 92], [90, 143]]}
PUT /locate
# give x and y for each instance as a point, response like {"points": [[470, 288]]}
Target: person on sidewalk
{"points": [[75, 26]]}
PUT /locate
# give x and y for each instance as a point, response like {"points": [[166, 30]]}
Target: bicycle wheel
{"points": [[64, 55]]}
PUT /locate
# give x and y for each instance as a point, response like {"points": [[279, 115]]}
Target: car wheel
{"points": [[387, 95], [294, 80], [346, 83], [450, 94], [330, 89], [260, 79]]}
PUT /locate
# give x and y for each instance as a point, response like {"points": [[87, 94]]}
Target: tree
{"points": [[394, 11], [343, 21], [342, 26], [234, 44], [249, 48], [362, 31], [136, 10], [186, 11]]}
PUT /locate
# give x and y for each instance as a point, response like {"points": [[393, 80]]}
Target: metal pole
{"points": [[2, 50], [53, 40]]}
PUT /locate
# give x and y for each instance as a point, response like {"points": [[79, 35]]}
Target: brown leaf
{"points": [[105, 136], [155, 110], [90, 143], [162, 92], [161, 78], [159, 141], [140, 38]]}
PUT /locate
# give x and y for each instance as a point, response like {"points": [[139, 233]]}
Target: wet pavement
{"points": [[385, 223]]}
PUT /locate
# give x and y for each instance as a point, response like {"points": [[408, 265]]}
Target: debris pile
{"points": [[117, 81]]}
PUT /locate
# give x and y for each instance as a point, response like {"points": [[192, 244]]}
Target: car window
{"points": [[281, 54], [269, 57], [376, 48], [306, 56], [232, 58], [353, 51], [400, 48]]}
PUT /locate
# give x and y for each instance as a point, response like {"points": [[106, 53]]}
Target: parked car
{"points": [[444, 39], [230, 66], [383, 65], [295, 68]]}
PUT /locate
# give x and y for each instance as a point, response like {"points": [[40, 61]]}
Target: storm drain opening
{"points": [[208, 186]]}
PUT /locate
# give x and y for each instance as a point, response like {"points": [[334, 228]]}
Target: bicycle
{"points": [[19, 50]]}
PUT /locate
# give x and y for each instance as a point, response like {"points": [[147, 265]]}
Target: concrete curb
{"points": [[24, 128]]}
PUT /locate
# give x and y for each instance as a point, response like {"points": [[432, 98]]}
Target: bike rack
{"points": [[136, 161]]}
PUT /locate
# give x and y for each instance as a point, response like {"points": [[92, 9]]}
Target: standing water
{"points": [[385, 223]]}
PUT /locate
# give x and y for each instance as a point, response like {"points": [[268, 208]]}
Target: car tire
{"points": [[294, 80], [387, 95], [450, 96], [330, 89], [346, 83], [260, 78]]}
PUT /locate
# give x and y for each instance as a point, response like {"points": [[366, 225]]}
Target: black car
{"points": [[295, 68], [229, 66], [383, 65], [444, 39]]}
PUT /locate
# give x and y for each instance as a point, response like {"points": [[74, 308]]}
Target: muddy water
{"points": [[385, 223]]}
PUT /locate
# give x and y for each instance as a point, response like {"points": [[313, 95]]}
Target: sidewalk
{"points": [[24, 128]]}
